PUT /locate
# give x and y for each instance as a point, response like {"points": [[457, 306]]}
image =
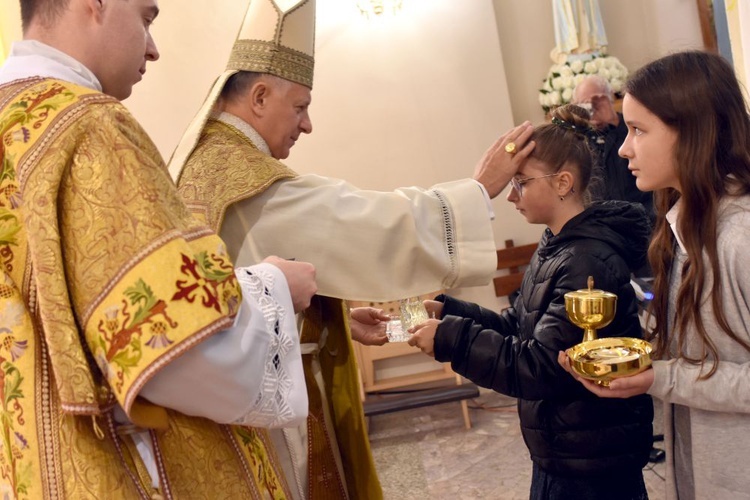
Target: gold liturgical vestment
{"points": [[226, 167], [105, 279]]}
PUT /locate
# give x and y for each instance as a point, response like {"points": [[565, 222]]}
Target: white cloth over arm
{"points": [[369, 245], [250, 374]]}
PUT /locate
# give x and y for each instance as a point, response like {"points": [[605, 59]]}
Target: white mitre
{"points": [[277, 37]]}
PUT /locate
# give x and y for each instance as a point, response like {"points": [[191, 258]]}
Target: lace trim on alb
{"points": [[448, 231], [271, 408]]}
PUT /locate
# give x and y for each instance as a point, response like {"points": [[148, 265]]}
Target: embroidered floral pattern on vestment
{"points": [[210, 280]]}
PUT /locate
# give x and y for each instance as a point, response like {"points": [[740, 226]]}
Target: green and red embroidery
{"points": [[258, 460], [123, 327], [17, 121], [209, 278], [142, 315], [15, 471]]}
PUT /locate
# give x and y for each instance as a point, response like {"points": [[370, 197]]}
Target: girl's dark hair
{"points": [[565, 141], [697, 95]]}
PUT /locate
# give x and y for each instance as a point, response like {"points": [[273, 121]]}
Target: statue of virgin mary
{"points": [[578, 29], [580, 50]]}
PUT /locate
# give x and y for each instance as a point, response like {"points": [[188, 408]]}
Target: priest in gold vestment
{"points": [[228, 172], [127, 335]]}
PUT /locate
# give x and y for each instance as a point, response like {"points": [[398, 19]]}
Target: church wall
{"points": [[410, 100], [10, 23], [638, 31]]}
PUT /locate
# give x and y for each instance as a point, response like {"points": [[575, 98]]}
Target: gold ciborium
{"points": [[590, 309], [604, 359]]}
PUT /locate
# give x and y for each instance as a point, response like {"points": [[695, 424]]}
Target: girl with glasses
{"points": [[581, 446]]}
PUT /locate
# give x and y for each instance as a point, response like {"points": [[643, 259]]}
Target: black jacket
{"points": [[568, 430]]}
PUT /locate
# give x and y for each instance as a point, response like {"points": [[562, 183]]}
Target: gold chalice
{"points": [[604, 359]]}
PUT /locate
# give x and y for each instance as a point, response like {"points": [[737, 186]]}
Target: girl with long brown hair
{"points": [[689, 142]]}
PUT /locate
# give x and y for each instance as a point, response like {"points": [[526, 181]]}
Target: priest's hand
{"points": [[502, 159], [300, 277], [424, 336], [368, 325], [623, 387]]}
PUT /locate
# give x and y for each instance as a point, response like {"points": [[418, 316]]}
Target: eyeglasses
{"points": [[517, 184]]}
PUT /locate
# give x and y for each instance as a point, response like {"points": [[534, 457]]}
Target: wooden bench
{"points": [[514, 259], [405, 389], [379, 404]]}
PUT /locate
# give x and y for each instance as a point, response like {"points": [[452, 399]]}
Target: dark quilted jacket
{"points": [[568, 430]]}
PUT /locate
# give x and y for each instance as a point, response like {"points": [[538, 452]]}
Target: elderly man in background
{"points": [[615, 181]]}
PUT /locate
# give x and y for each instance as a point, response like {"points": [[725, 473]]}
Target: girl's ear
{"points": [[565, 183]]}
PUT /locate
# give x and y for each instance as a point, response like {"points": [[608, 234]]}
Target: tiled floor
{"points": [[427, 453]]}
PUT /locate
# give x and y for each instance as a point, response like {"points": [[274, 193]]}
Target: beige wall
{"points": [[638, 31], [408, 100], [411, 100], [10, 22], [194, 39], [738, 20]]}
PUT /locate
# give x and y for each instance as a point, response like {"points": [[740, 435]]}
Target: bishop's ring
{"points": [[510, 148]]}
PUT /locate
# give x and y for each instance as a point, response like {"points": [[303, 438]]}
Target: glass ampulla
{"points": [[412, 312], [395, 331]]}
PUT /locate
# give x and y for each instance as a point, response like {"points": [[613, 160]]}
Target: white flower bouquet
{"points": [[557, 87]]}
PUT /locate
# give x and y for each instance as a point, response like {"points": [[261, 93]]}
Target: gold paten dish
{"points": [[596, 359], [604, 359]]}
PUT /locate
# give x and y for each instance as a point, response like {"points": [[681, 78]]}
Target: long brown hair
{"points": [[697, 95]]}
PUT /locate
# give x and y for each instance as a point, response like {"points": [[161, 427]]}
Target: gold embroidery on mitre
{"points": [[277, 40], [268, 57]]}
